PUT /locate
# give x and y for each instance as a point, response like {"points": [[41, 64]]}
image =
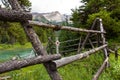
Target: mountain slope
{"points": [[52, 17]]}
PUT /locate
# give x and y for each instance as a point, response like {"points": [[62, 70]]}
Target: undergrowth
{"points": [[79, 70]]}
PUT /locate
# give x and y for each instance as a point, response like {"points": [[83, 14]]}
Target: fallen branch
{"points": [[17, 64]]}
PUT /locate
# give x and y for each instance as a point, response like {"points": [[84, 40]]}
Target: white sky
{"points": [[63, 6]]}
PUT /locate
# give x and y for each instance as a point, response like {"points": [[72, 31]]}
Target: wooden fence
{"points": [[50, 62]]}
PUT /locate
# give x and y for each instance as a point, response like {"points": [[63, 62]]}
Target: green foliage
{"points": [[11, 33], [76, 18], [16, 31], [111, 26], [43, 33], [109, 11], [26, 3], [30, 73], [15, 46], [81, 70], [112, 72]]}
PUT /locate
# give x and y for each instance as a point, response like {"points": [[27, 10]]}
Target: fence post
{"points": [[116, 53], [57, 44], [103, 39], [88, 34]]}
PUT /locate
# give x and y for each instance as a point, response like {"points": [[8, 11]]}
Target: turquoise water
{"points": [[21, 53]]}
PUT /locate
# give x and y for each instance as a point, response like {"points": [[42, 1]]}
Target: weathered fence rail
{"points": [[63, 61], [68, 28], [17, 64]]}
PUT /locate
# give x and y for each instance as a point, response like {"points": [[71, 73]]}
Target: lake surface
{"points": [[19, 53]]}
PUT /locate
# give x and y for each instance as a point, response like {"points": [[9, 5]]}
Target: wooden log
{"points": [[91, 43], [14, 16], [40, 50], [116, 54], [110, 50], [34, 39], [17, 64], [103, 39], [100, 70], [78, 51], [5, 78], [98, 40], [88, 35], [36, 43], [67, 60], [68, 28], [62, 42]]}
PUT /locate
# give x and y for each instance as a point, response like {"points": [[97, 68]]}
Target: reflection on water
{"points": [[21, 53]]}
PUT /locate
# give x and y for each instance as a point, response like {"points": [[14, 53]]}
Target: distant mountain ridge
{"points": [[51, 17]]}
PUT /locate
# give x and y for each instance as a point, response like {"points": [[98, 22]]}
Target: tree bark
{"points": [[39, 49], [15, 5], [34, 39], [14, 16], [17, 64], [67, 60]]}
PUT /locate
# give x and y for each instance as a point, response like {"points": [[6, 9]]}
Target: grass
{"points": [[75, 71], [79, 70], [14, 46], [36, 72], [17, 46]]}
